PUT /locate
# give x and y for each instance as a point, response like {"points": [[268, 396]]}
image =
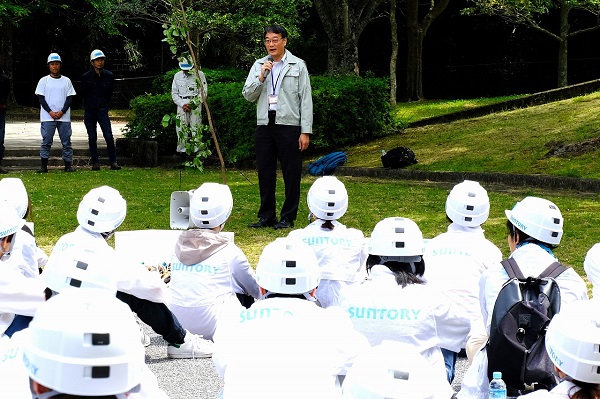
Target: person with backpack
{"points": [[457, 258], [535, 229], [340, 250], [572, 344], [395, 303]]}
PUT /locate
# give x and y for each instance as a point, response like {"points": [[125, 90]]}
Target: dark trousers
{"points": [[19, 323], [273, 143], [99, 116], [157, 316]]}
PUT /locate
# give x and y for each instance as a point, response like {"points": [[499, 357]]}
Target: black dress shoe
{"points": [[263, 222], [283, 224]]}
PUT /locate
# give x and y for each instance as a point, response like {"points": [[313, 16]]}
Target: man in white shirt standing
{"points": [[55, 93]]}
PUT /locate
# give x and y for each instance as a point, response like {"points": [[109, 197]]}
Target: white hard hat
{"points": [[185, 65], [10, 222], [391, 370], [81, 267], [397, 237], [288, 266], [327, 198], [468, 204], [538, 218], [211, 205], [572, 340], [101, 210], [54, 57], [96, 54], [84, 342], [13, 191]]}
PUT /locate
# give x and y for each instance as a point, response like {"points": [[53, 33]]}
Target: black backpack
{"points": [[326, 165], [522, 312], [398, 157]]}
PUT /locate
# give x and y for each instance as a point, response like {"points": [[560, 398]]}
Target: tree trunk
{"points": [[6, 56], [565, 9], [414, 57], [342, 57], [344, 21], [416, 32], [394, 57]]}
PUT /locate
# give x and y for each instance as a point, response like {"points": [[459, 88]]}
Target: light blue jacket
{"points": [[294, 102]]}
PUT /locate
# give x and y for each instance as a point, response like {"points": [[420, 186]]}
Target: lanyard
{"points": [[274, 82]]}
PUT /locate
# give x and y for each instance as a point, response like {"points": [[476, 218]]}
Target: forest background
{"points": [[469, 48]]}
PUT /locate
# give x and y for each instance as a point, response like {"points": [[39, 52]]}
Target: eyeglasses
{"points": [[273, 41]]}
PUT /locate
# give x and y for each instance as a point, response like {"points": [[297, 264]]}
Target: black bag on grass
{"points": [[399, 157]]}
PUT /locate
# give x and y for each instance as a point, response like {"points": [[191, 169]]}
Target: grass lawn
{"points": [[507, 142], [410, 112], [55, 197]]}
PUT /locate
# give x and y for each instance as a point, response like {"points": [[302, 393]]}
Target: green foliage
{"points": [[348, 109], [162, 83], [235, 26], [147, 121], [235, 120]]}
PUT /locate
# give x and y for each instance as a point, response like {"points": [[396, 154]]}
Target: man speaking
{"points": [[280, 85]]}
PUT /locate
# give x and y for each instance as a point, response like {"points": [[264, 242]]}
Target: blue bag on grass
{"points": [[326, 165]]}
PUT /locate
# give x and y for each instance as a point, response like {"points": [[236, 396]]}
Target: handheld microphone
{"points": [[269, 58]]}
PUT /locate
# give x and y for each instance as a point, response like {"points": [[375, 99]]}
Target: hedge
{"points": [[346, 110]]}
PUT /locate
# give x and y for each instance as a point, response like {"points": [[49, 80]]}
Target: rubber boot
{"points": [[69, 167], [44, 167]]}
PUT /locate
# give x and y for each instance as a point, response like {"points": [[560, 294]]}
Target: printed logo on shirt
{"points": [[9, 354], [264, 313], [333, 241], [197, 268], [449, 251], [383, 313]]}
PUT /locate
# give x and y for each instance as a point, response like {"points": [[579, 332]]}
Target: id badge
{"points": [[272, 99]]}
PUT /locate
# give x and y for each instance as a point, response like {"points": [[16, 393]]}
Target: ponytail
{"points": [[328, 225], [587, 390]]}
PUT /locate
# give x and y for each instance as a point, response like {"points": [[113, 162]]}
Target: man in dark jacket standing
{"points": [[4, 89], [97, 87]]}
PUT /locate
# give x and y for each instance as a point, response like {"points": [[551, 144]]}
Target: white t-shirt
{"points": [[285, 348], [417, 315], [55, 91], [341, 254], [454, 263]]}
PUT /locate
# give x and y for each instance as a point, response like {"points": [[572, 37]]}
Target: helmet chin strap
{"points": [[404, 259]]}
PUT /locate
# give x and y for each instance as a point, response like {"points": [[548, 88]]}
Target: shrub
{"points": [[146, 122], [347, 110], [162, 83], [234, 119]]}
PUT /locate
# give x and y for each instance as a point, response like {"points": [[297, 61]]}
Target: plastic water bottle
{"points": [[497, 386], [382, 152]]}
